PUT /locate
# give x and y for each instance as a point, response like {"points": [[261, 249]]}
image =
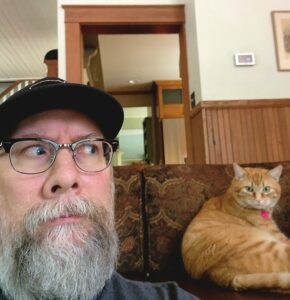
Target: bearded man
{"points": [[58, 239]]}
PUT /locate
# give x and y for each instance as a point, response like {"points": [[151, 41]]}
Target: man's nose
{"points": [[63, 176]]}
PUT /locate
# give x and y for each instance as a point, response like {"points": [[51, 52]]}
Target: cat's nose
{"points": [[258, 197]]}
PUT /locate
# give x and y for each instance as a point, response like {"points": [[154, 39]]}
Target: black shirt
{"points": [[120, 288]]}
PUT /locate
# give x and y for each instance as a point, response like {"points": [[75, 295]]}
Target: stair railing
{"points": [[14, 87]]}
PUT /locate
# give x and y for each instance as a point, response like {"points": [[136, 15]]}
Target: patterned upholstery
{"points": [[128, 213], [172, 195]]}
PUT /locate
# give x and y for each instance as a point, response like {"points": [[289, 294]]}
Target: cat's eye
{"points": [[266, 189], [249, 189]]}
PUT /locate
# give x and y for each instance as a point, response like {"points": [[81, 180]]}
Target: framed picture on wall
{"points": [[281, 28]]}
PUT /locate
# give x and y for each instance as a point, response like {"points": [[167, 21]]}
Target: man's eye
{"points": [[90, 149], [35, 150]]}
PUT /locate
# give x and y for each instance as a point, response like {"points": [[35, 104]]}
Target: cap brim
{"points": [[100, 106]]}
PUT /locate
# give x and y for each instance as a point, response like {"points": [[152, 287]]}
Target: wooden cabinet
{"points": [[169, 103], [170, 141], [174, 141]]}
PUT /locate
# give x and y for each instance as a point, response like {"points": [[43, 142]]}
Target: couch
{"points": [[154, 205]]}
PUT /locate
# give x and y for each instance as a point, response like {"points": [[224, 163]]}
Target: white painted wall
{"points": [[216, 29], [225, 27]]}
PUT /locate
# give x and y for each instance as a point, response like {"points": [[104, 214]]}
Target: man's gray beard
{"points": [[67, 261]]}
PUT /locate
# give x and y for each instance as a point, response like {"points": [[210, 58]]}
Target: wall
{"points": [[215, 30], [224, 27]]}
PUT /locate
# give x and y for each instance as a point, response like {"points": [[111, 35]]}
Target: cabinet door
{"points": [[174, 141], [169, 96]]}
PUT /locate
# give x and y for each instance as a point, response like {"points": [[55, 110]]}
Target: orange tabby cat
{"points": [[233, 239]]}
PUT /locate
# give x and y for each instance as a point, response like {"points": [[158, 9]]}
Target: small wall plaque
{"points": [[244, 59]]}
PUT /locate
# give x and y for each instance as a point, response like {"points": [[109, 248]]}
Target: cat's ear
{"points": [[239, 171], [276, 172]]}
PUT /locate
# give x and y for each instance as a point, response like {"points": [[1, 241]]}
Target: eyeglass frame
{"points": [[7, 144]]}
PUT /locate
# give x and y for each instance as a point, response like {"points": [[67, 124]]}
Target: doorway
{"points": [[118, 19], [126, 65]]}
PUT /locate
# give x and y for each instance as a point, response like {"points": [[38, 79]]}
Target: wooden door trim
{"points": [[124, 14], [81, 17]]}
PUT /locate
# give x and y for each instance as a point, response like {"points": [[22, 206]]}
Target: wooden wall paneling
{"points": [[216, 136], [244, 137], [204, 131], [222, 137], [245, 131], [235, 134], [255, 131], [242, 141], [198, 146], [278, 135], [284, 122], [260, 135], [287, 129], [274, 136], [227, 136], [278, 132], [252, 134], [269, 134], [237, 126], [246, 150], [284, 128], [210, 136], [252, 154]]}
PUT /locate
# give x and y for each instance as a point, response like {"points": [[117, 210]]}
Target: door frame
{"points": [[116, 19]]}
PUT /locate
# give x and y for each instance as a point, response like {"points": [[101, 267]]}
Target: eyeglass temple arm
{"points": [[5, 145], [115, 144]]}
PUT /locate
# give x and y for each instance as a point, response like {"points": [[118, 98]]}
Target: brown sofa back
{"points": [[155, 205]]}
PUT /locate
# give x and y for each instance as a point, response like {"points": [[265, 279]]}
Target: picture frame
{"points": [[281, 30]]}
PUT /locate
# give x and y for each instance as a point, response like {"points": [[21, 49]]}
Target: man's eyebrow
{"points": [[93, 134], [78, 137], [31, 135]]}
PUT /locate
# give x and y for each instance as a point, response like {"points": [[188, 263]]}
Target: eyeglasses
{"points": [[36, 155]]}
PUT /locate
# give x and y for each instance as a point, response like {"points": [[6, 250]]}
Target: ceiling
{"points": [[28, 30]]}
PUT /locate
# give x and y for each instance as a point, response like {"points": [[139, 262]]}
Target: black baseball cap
{"points": [[53, 93]]}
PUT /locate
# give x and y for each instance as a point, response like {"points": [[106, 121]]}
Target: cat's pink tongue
{"points": [[265, 214]]}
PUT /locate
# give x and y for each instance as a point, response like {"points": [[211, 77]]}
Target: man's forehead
{"points": [[57, 120]]}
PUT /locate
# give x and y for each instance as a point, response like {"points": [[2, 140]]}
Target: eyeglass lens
{"points": [[34, 156]]}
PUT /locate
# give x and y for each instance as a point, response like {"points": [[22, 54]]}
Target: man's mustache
{"points": [[58, 208]]}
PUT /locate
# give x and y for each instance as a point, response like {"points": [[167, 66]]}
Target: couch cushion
{"points": [[129, 225], [175, 193]]}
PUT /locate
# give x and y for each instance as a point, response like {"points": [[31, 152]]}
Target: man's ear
{"points": [[239, 171], [276, 172]]}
